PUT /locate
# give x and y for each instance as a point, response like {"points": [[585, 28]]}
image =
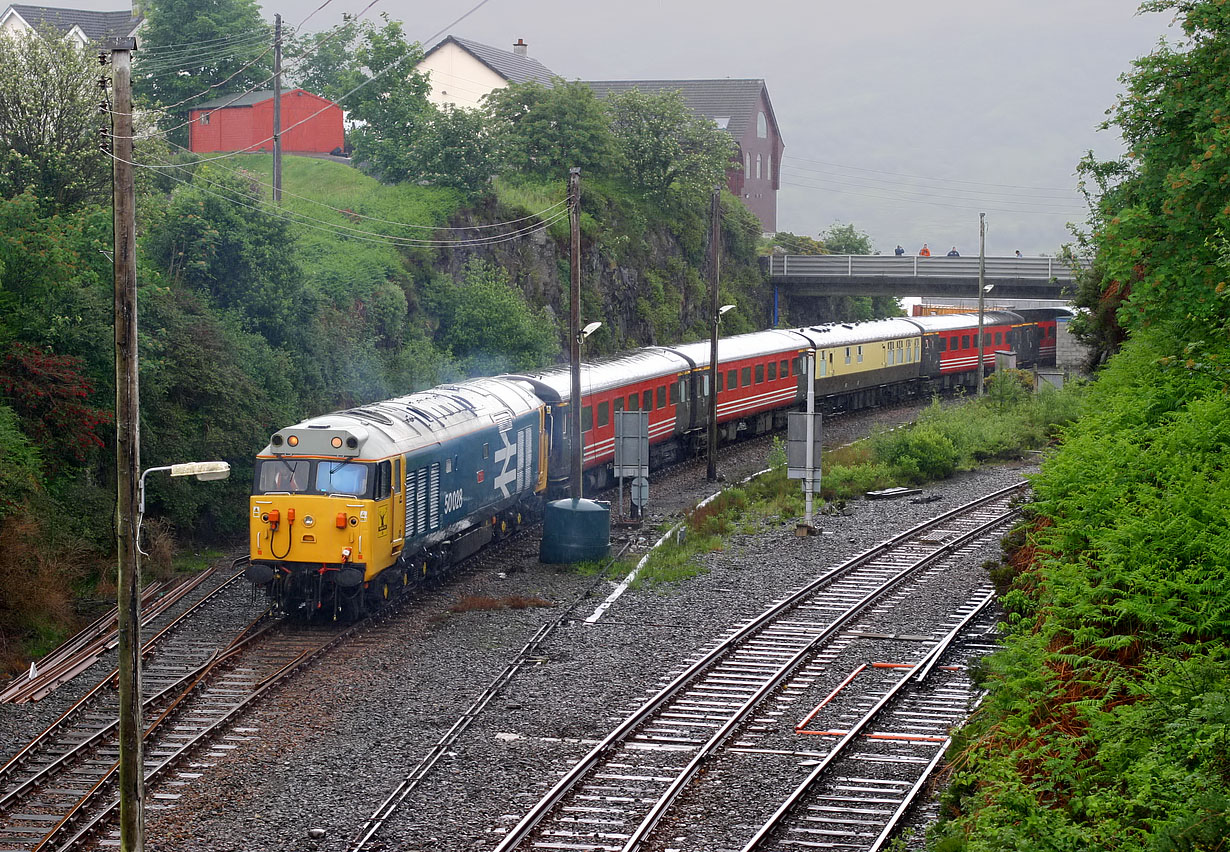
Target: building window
{"points": [[762, 126], [757, 167], [768, 167], [204, 118], [747, 165]]}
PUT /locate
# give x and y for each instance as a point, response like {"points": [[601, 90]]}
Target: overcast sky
{"points": [[903, 118]]}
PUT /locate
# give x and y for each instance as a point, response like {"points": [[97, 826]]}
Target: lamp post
{"points": [[982, 291], [132, 748], [713, 374], [982, 261]]}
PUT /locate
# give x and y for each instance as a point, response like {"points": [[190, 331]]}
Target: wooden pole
{"points": [[574, 328], [277, 108], [127, 457], [715, 255]]}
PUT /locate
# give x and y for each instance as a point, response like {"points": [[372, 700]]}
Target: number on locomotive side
{"points": [[453, 501]]}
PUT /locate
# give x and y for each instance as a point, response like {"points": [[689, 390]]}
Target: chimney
{"points": [[520, 47]]}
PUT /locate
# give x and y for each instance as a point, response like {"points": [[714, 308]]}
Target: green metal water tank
{"points": [[575, 530]]}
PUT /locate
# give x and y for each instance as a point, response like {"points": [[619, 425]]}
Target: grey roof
{"points": [[509, 65], [730, 103], [248, 99], [238, 100], [95, 25]]}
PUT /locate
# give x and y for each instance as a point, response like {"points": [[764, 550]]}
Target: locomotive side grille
{"points": [[420, 524], [435, 496], [524, 454], [411, 498]]}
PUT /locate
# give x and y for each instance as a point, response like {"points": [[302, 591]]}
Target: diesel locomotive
{"points": [[346, 507]]}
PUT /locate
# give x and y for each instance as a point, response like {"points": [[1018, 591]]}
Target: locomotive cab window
{"points": [[341, 478], [384, 480], [760, 374], [291, 475], [604, 413]]}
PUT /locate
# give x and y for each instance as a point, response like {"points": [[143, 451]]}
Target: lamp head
{"points": [[590, 329], [202, 470]]}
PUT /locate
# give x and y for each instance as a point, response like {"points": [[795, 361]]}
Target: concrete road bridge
{"points": [[796, 275]]}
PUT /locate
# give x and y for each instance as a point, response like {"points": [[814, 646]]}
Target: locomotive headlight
{"points": [[293, 440], [308, 520], [336, 443]]}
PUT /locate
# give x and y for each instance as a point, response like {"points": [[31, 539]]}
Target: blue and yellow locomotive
{"points": [[348, 506]]}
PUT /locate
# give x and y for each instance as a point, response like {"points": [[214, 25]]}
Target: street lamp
{"points": [[982, 291], [711, 473], [128, 596], [589, 329]]}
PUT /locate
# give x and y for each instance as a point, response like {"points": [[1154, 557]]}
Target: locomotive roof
{"points": [[408, 423], [615, 371], [955, 322]]}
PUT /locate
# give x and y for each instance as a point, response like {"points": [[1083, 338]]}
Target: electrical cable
{"points": [[358, 233]]}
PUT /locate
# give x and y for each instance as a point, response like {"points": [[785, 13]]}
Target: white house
{"points": [[462, 71], [83, 26]]}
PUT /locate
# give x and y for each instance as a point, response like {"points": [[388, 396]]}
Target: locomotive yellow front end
{"points": [[321, 524]]}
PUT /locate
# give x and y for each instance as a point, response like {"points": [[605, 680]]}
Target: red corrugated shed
{"points": [[245, 123]]}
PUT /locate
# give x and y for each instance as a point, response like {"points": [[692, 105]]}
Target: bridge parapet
{"points": [[799, 266]]}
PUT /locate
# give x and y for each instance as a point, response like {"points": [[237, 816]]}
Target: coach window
{"points": [[847, 354], [661, 396], [745, 377], [675, 388], [953, 343], [587, 419], [760, 374], [965, 341], [784, 369], [892, 354], [647, 401], [721, 382], [732, 379], [999, 338], [634, 401], [860, 354], [619, 404], [943, 344], [824, 363], [704, 383], [772, 371], [604, 413]]}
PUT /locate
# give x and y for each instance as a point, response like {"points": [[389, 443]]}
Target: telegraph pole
{"points": [[574, 328], [982, 261], [127, 455], [715, 255], [277, 108]]}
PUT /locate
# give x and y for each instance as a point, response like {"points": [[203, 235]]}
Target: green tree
{"points": [[842, 238], [545, 131], [192, 51], [486, 322], [49, 121], [675, 155], [384, 95], [1164, 213], [453, 149], [218, 240]]}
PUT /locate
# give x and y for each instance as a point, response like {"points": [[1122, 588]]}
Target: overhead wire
{"points": [[366, 82], [303, 220]]}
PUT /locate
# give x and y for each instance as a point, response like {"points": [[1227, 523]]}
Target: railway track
{"points": [[615, 797]]}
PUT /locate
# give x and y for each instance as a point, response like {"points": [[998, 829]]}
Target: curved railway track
{"points": [[615, 796]]}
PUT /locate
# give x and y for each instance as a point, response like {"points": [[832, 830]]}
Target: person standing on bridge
{"points": [[954, 252], [1018, 252], [924, 251], [898, 250]]}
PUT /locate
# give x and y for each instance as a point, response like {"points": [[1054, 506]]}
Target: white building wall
{"points": [[458, 78]]}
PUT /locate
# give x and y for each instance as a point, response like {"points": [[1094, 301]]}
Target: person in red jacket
{"points": [[924, 251]]}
